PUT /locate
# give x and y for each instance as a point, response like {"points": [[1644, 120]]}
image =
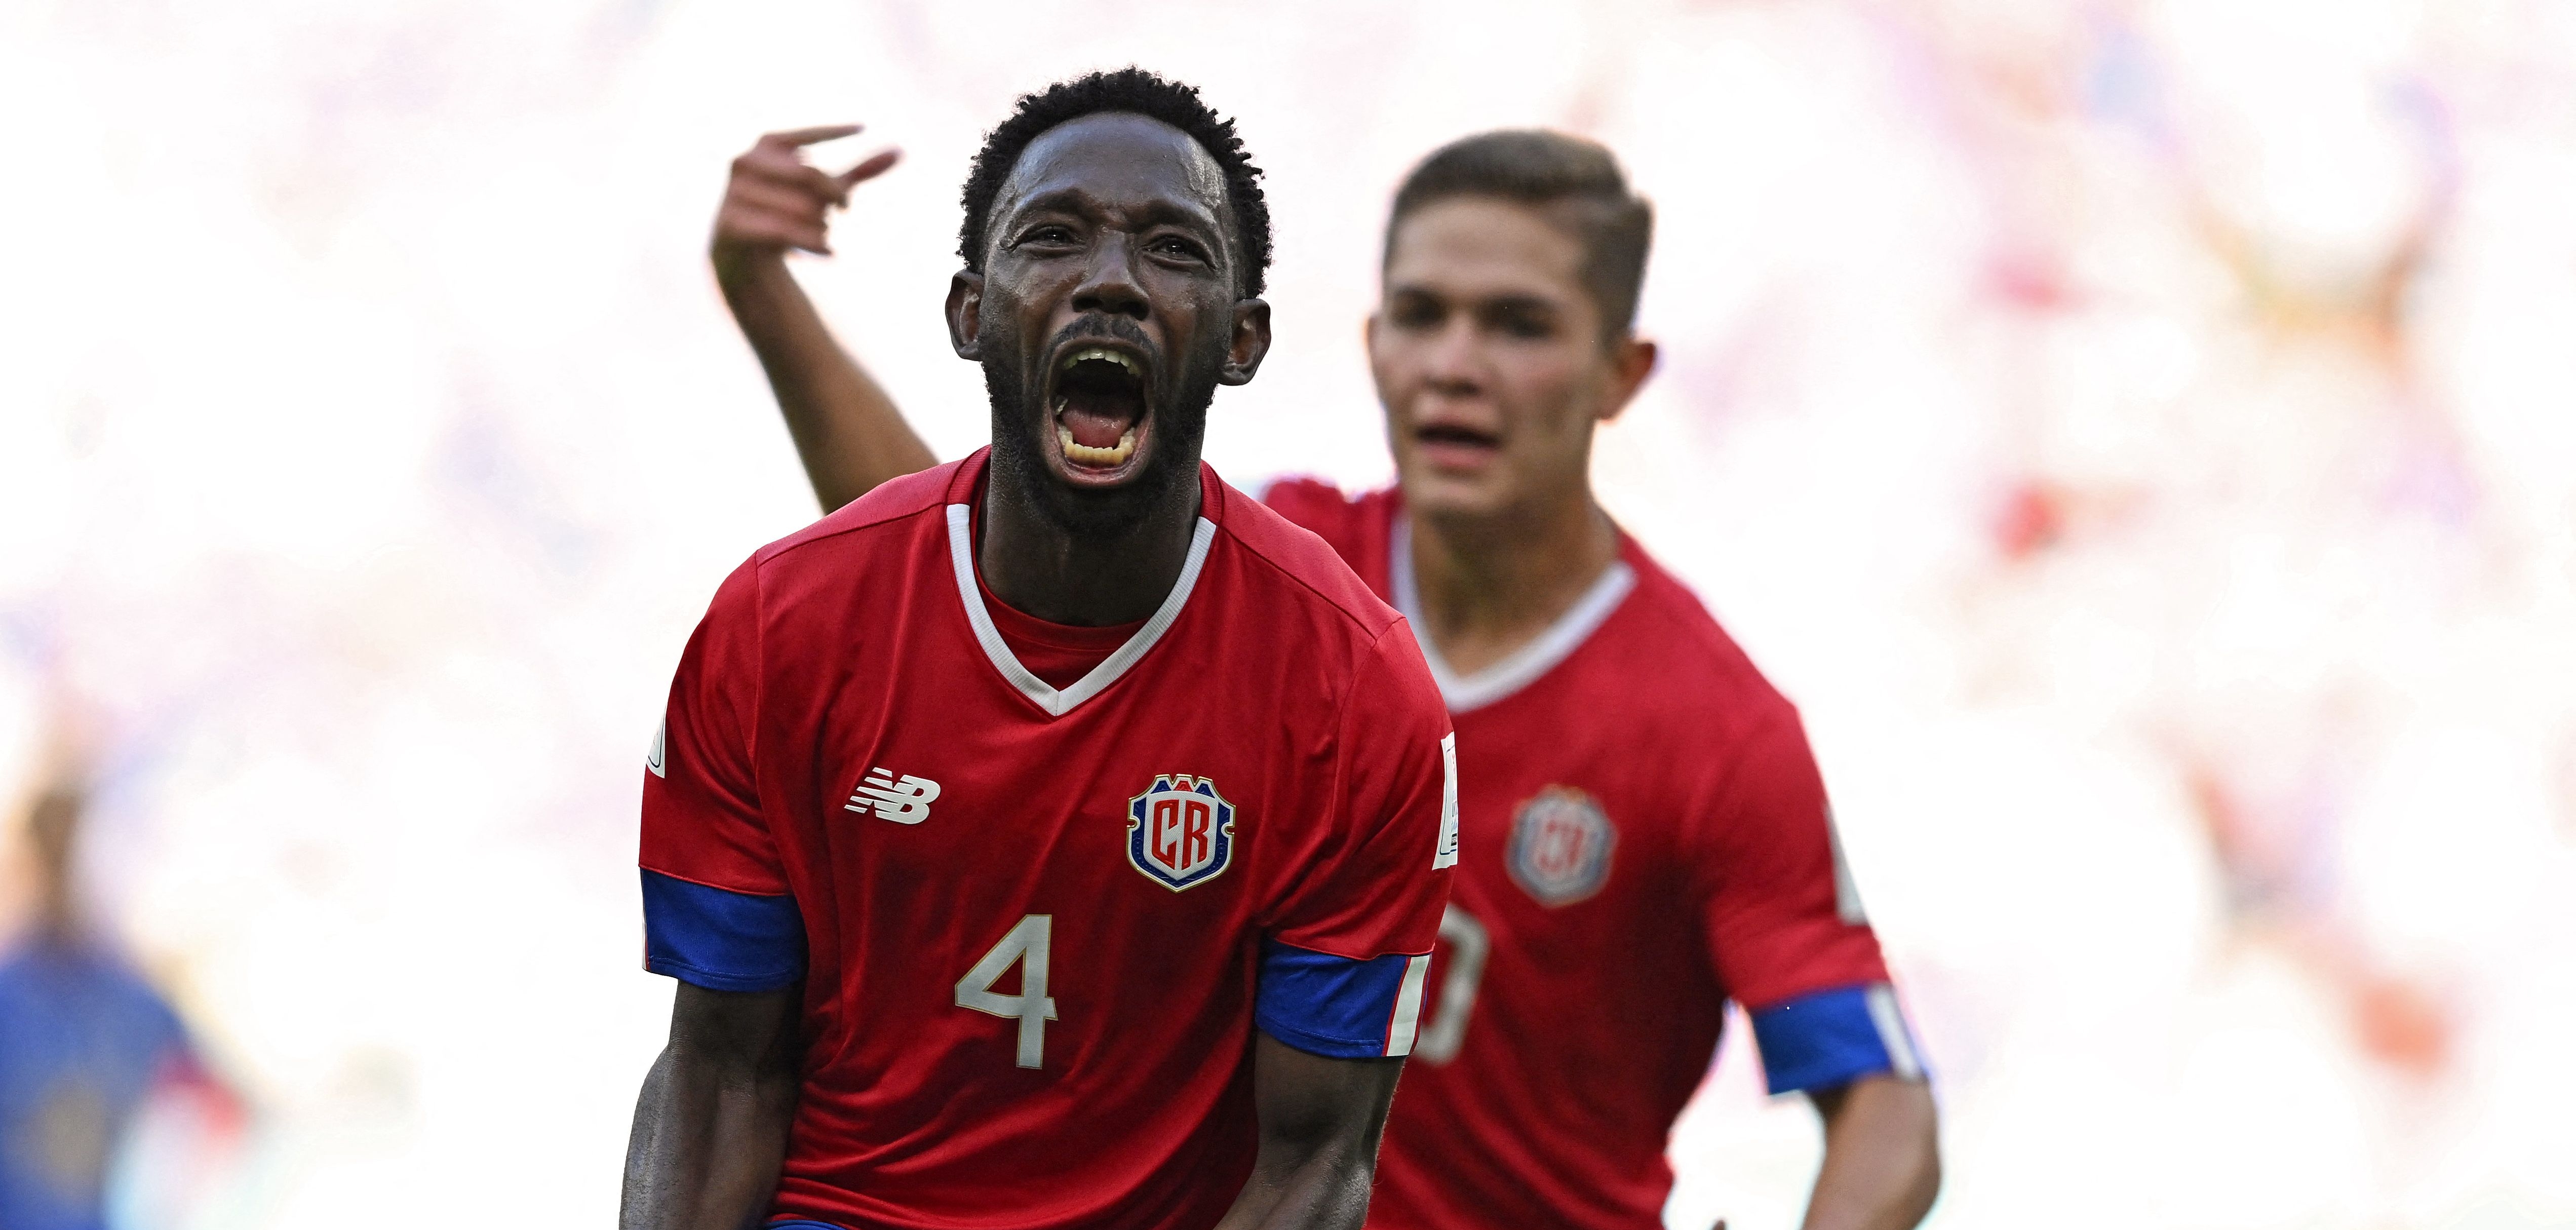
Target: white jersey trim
{"points": [[1847, 904], [961, 557], [1892, 1034], [1530, 661], [1404, 1023]]}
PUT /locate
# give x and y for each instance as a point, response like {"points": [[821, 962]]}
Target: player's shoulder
{"points": [[1305, 569], [1309, 501], [108, 983], [1684, 660], [1351, 524], [815, 568], [1691, 702], [891, 501]]}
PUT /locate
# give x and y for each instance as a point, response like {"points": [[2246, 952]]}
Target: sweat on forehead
{"points": [[1118, 160]]}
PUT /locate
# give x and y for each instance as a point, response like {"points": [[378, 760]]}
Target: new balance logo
{"points": [[904, 802]]}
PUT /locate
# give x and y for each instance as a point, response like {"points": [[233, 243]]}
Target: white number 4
{"points": [[1027, 944]]}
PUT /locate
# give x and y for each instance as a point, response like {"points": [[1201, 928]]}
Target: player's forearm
{"points": [[848, 432], [1322, 1190], [1882, 1156], [707, 1145]]}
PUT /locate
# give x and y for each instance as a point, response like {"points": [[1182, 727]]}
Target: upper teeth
{"points": [[1105, 355]]}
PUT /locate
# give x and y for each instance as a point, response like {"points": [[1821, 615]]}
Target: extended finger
{"points": [[869, 168], [808, 136], [788, 175], [782, 165]]}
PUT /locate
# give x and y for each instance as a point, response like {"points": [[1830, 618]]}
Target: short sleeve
{"points": [[1342, 966], [1785, 923], [717, 910]]}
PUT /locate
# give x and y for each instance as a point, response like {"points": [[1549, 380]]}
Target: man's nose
{"points": [[1109, 284], [1456, 364]]}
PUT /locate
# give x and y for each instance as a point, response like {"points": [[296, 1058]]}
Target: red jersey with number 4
{"points": [[1037, 926], [1643, 836]]}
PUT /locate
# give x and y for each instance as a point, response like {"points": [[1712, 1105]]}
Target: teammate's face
{"points": [[1489, 357], [1108, 312]]}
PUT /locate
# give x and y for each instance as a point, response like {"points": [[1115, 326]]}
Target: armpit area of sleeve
{"points": [[720, 939], [1834, 1037]]}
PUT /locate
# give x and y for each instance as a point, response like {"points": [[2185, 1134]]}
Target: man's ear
{"points": [[966, 315], [1249, 342], [1632, 359]]}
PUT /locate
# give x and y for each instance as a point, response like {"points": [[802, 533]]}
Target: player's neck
{"points": [[56, 920], [1488, 586], [1086, 577]]}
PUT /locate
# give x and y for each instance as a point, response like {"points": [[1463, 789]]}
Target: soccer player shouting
{"points": [[994, 814], [1645, 831]]}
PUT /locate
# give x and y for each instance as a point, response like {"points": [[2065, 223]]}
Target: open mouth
{"points": [[1099, 407], [1456, 446], [1455, 436]]}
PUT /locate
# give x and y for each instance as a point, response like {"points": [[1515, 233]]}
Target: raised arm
{"points": [[848, 433], [1320, 1120], [711, 1127]]}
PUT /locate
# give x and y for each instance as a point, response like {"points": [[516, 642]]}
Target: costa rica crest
{"points": [[1180, 832], [1561, 846]]}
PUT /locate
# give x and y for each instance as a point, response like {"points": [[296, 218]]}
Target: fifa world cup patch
{"points": [[1561, 846], [1180, 832]]}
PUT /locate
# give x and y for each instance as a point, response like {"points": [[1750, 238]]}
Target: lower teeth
{"points": [[1084, 454]]}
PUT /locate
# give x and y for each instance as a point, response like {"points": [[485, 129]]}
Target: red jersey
{"points": [[1644, 835], [1036, 926]]}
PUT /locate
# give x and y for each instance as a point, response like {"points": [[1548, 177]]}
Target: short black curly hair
{"points": [[1142, 93]]}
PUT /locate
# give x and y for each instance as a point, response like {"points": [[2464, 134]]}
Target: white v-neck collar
{"points": [[1527, 663], [961, 555]]}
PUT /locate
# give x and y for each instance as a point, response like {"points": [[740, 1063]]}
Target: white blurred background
{"points": [[2141, 434]]}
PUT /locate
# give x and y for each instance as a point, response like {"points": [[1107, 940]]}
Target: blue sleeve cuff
{"points": [[1834, 1037], [1338, 1007], [721, 940]]}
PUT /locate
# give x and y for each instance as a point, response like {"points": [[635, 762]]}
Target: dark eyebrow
{"points": [[1075, 201], [1519, 303], [1061, 200], [1167, 213], [1487, 303]]}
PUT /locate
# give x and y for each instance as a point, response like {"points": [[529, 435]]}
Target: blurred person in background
{"points": [[86, 1045], [1645, 831], [1031, 972]]}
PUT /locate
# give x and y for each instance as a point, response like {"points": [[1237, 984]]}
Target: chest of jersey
{"points": [[1575, 914], [1064, 896], [1571, 848], [1037, 923]]}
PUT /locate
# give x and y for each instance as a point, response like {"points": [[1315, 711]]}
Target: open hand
{"points": [[774, 200]]}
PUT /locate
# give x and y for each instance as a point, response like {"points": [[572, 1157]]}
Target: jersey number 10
{"points": [[1028, 944]]}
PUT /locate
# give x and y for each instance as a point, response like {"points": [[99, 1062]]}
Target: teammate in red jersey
{"points": [[1645, 831], [994, 814]]}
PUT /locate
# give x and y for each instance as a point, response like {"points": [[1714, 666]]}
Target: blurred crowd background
{"points": [[2141, 434]]}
